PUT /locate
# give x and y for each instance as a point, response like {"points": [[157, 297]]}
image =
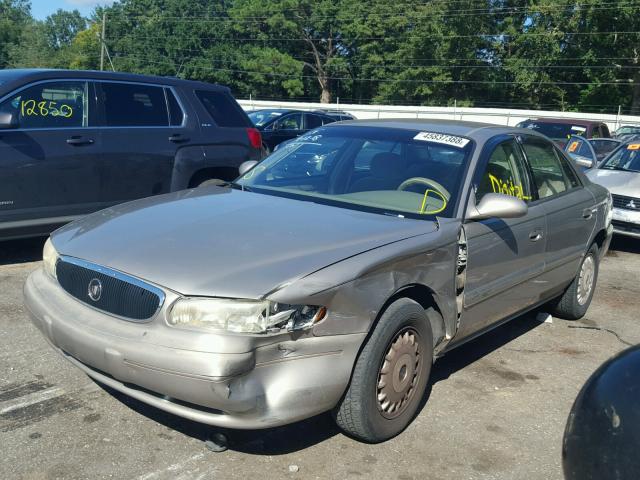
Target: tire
{"points": [[211, 181], [575, 301], [370, 411]]}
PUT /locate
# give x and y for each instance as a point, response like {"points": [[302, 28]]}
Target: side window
{"points": [[328, 120], [50, 105], [312, 121], [223, 108], [595, 132], [548, 173], [569, 174], [132, 105], [505, 173], [176, 115], [290, 122], [605, 131]]}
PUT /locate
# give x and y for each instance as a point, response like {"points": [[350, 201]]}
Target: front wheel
{"points": [[575, 301], [390, 375]]}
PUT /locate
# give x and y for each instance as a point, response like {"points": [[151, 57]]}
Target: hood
{"points": [[617, 181], [228, 243]]}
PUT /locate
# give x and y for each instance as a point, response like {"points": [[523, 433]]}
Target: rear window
{"points": [[223, 108], [131, 105]]}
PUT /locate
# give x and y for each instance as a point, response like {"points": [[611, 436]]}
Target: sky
{"points": [[42, 8]]}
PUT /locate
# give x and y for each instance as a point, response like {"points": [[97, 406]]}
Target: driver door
{"points": [[504, 255]]}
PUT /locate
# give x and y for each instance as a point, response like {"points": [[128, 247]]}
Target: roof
{"points": [[477, 130], [567, 121], [9, 77]]}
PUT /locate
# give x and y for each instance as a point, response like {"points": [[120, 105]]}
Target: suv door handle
{"points": [[178, 138], [535, 235], [78, 141]]}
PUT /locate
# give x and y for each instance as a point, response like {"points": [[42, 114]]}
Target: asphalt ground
{"points": [[496, 409]]}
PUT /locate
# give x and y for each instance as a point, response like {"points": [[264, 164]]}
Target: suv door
{"points": [[48, 168], [143, 126], [570, 209], [504, 256]]}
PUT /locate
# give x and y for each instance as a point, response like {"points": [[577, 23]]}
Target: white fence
{"points": [[500, 116]]}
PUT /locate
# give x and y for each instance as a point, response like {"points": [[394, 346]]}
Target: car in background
{"points": [[328, 277], [73, 142], [587, 153], [620, 173], [560, 129], [278, 125], [626, 130], [339, 115]]}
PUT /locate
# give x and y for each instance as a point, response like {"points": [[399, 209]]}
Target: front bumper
{"points": [[268, 381], [626, 222]]}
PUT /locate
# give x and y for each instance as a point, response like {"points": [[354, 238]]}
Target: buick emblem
{"points": [[95, 289]]}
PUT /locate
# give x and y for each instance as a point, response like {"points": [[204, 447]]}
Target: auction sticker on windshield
{"points": [[633, 146], [451, 140]]}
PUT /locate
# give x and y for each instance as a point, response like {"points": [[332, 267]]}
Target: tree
{"points": [[62, 27], [15, 16]]}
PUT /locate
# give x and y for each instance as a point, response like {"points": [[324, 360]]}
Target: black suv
{"points": [[73, 142]]}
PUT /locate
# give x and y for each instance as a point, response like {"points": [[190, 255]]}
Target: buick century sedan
{"points": [[328, 277]]}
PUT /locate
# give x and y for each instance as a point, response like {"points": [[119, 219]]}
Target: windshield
{"points": [[627, 129], [625, 158], [383, 170], [262, 117], [555, 130]]}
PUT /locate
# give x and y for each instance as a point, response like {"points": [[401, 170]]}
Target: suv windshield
{"points": [[383, 170], [626, 158], [554, 130]]}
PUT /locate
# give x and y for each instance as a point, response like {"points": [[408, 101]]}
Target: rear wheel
{"points": [[390, 375], [575, 301]]}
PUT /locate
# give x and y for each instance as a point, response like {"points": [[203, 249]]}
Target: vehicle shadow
{"points": [[21, 251], [624, 244], [306, 433]]}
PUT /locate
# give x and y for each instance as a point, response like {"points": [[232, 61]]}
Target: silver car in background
{"points": [[620, 174], [329, 276]]}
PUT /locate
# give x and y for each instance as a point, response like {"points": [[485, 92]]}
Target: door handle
{"points": [[78, 141], [535, 235], [178, 138], [587, 213]]}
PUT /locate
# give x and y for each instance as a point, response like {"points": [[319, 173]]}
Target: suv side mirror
{"points": [[8, 120], [497, 205], [246, 166]]}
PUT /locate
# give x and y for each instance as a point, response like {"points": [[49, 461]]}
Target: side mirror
{"points": [[246, 166], [8, 120], [497, 205], [583, 161]]}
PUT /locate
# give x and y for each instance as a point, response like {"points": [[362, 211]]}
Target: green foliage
{"points": [[521, 53]]}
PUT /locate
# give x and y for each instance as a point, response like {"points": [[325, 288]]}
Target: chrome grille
{"points": [[108, 290], [626, 203]]}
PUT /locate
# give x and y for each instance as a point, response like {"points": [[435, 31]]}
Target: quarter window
{"points": [[132, 105], [50, 105], [176, 115], [223, 108], [548, 172], [505, 173]]}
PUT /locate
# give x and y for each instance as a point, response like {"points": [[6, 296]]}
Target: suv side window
{"points": [[50, 105], [133, 105], [505, 173], [548, 172], [223, 108], [176, 115], [290, 122]]}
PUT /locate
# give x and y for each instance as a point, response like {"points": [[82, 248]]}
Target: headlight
{"points": [[49, 258], [242, 316]]}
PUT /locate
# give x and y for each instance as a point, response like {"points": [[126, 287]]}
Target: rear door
{"points": [[505, 256], [285, 128], [143, 126], [48, 164], [570, 209]]}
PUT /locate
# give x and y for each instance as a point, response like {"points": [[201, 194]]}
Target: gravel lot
{"points": [[497, 406]]}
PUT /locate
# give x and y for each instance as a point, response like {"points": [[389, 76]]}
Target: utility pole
{"points": [[102, 40]]}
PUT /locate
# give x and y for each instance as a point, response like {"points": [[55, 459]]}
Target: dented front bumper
{"points": [[233, 381]]}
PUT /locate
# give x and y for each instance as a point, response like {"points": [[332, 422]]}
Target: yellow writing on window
{"points": [[424, 202], [508, 188], [33, 108]]}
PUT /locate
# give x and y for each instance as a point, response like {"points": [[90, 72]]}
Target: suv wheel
{"points": [[390, 375], [575, 301]]}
